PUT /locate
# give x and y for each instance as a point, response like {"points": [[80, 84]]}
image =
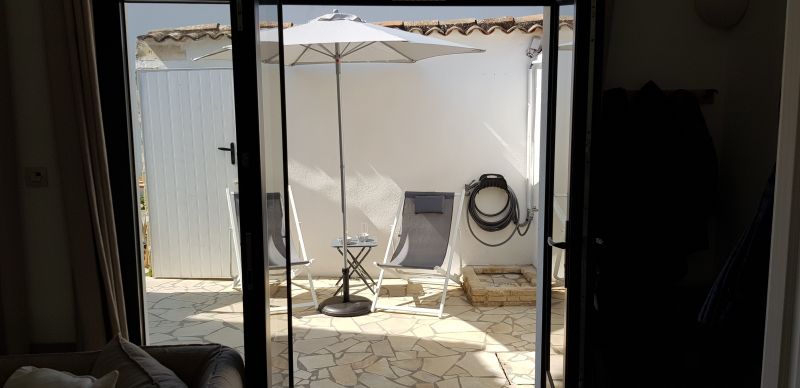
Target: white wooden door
{"points": [[186, 115]]}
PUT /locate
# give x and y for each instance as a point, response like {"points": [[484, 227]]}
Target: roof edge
{"points": [[527, 24]]}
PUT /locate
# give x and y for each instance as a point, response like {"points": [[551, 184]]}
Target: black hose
{"points": [[495, 222]]}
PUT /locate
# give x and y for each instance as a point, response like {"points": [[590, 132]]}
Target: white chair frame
{"points": [[410, 274], [237, 280], [561, 216]]}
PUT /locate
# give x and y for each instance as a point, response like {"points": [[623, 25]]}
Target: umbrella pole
{"points": [[345, 272], [344, 306]]}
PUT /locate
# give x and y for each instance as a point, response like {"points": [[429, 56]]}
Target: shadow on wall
{"points": [[434, 125]]}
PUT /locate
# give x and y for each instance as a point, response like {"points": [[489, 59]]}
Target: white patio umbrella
{"points": [[342, 38]]}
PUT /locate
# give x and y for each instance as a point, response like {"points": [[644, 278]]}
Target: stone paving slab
{"points": [[469, 347]]}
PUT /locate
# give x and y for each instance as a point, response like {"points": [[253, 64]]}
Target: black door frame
{"points": [[112, 61], [248, 114], [112, 73], [545, 220], [587, 87]]}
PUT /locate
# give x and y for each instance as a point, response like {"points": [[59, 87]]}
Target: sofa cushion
{"points": [[137, 369], [79, 363], [33, 377], [202, 365]]}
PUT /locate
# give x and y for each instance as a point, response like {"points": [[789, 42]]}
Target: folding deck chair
{"points": [[276, 243], [427, 239]]}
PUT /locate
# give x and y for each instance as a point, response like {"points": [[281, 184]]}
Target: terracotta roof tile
{"points": [[200, 31], [527, 24], [507, 24]]}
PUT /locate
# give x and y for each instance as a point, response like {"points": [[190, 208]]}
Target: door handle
{"points": [[232, 150], [559, 245]]}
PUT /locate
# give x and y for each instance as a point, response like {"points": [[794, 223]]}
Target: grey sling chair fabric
{"points": [[425, 234], [275, 241], [426, 243]]}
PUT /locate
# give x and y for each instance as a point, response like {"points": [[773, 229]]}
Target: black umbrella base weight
{"points": [[337, 307], [346, 305]]}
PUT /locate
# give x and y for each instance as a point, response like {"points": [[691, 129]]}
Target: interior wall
{"points": [[43, 225], [667, 42], [13, 300]]}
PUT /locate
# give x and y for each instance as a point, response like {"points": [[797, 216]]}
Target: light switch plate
{"points": [[36, 176]]}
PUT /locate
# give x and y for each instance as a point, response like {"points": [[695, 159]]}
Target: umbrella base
{"points": [[336, 307]]}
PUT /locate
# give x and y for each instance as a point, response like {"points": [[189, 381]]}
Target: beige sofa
{"points": [[206, 366]]}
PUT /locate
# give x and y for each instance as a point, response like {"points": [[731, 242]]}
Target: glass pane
{"points": [[184, 136], [403, 129], [279, 220], [561, 195]]}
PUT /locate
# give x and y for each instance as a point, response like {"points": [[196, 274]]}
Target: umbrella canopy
{"points": [[351, 39]]}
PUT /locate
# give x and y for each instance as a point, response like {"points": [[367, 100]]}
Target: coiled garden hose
{"points": [[495, 222]]}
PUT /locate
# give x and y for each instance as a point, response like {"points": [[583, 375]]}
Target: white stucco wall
{"points": [[430, 126]]}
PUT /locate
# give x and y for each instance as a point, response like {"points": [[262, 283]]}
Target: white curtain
{"points": [[96, 276]]}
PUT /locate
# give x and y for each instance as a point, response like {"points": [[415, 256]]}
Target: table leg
{"points": [[350, 262], [360, 270], [340, 279], [355, 267], [350, 269], [363, 269]]}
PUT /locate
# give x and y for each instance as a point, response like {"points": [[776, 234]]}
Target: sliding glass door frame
{"points": [[248, 114], [114, 88], [112, 69], [253, 254]]}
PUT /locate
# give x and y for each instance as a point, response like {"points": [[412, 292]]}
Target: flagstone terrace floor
{"points": [[468, 347]]}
